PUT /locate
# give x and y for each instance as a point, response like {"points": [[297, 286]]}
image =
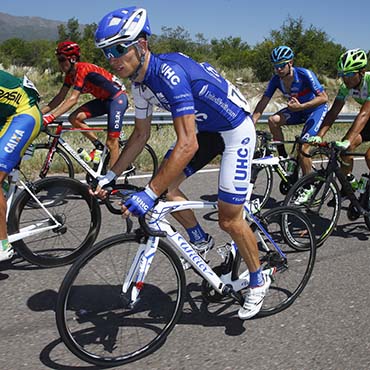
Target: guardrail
{"points": [[165, 118]]}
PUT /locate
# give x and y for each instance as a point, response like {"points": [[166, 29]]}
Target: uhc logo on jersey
{"points": [[170, 74]]}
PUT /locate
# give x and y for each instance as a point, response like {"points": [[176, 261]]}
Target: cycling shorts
{"points": [[236, 147], [365, 133], [114, 107], [17, 134], [312, 120]]}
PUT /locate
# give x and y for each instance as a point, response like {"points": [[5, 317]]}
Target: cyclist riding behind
{"points": [[306, 101], [20, 123], [82, 78], [197, 96], [356, 83]]}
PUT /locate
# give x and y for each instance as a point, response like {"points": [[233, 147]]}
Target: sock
{"points": [[98, 144], [256, 278], [281, 150], [4, 245], [196, 234]]}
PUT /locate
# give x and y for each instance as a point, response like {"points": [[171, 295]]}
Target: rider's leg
{"points": [[367, 158], [305, 162], [232, 221], [77, 120], [113, 146], [275, 123], [313, 122], [347, 165], [186, 217]]}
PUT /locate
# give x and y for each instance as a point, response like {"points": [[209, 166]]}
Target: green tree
{"points": [[71, 32], [312, 47]]}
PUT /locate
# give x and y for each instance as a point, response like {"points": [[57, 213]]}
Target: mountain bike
{"points": [[123, 297], [58, 154], [50, 221], [324, 204]]}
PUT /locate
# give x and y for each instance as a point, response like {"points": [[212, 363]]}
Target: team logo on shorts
{"points": [[246, 141]]}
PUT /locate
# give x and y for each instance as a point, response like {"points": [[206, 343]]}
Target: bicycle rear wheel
{"points": [[322, 208], [262, 180], [58, 199], [290, 273], [99, 323]]}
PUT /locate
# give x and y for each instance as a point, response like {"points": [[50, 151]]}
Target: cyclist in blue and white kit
{"points": [[198, 98], [307, 101]]}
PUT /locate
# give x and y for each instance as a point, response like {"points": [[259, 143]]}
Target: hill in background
{"points": [[28, 28]]}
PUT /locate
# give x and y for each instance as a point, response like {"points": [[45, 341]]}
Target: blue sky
{"points": [[345, 22]]}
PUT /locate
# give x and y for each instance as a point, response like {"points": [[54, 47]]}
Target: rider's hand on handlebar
{"points": [[342, 144], [314, 140], [47, 119], [103, 182], [139, 203]]}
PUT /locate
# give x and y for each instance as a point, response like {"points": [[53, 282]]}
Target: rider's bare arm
{"points": [[183, 152], [331, 116], [260, 107]]}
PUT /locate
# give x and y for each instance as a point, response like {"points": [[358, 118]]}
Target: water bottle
{"points": [[352, 180], [122, 135], [362, 183], [97, 156], [291, 166], [84, 155]]}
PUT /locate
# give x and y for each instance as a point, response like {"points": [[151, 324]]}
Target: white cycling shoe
{"points": [[6, 254], [254, 299]]}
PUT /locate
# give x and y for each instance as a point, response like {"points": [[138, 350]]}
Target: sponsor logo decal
{"points": [[170, 74], [14, 141]]}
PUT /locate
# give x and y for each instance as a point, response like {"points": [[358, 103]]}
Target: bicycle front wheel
{"points": [[97, 317], [322, 206], [62, 220], [289, 267]]}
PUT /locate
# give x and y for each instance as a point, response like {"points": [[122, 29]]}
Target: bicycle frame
{"points": [[146, 252], [57, 139], [32, 229]]}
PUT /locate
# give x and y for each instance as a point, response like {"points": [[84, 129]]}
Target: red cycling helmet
{"points": [[68, 49]]}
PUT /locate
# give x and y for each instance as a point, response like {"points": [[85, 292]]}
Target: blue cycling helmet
{"points": [[282, 54], [122, 25]]}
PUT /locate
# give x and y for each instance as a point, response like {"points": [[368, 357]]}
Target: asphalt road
{"points": [[326, 328]]}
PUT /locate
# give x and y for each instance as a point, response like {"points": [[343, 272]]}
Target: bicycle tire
{"points": [[140, 174], [61, 164], [291, 275], [91, 311], [323, 213], [262, 185], [144, 167], [67, 200]]}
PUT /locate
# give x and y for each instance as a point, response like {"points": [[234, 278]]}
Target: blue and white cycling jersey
{"points": [[182, 86], [305, 86]]}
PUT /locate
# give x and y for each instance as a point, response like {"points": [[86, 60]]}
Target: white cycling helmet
{"points": [[122, 25]]}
